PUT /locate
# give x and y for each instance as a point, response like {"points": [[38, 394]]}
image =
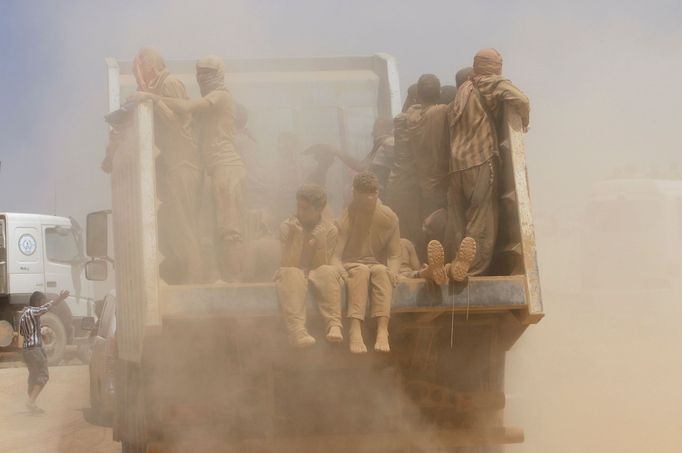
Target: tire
{"points": [[54, 338]]}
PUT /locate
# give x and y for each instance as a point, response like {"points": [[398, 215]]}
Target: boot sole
{"points": [[436, 261], [465, 257]]}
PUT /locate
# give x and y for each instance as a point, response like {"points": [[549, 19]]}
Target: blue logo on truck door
{"points": [[27, 244]]}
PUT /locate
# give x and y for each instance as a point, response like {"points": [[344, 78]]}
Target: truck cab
{"points": [[44, 253]]}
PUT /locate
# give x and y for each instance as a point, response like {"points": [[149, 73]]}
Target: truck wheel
{"points": [[54, 338]]}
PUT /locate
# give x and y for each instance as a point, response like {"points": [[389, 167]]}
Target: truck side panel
{"points": [[135, 235]]}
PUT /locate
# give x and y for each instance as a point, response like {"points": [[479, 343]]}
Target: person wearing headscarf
{"points": [[179, 171], [214, 113], [475, 119]]}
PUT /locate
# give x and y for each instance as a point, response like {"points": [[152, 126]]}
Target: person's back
{"points": [[473, 199], [427, 126], [475, 117]]}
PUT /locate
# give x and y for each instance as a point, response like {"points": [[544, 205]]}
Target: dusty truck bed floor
{"points": [[63, 427]]}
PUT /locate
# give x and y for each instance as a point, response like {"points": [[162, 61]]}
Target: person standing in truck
{"points": [[214, 113], [33, 352], [427, 136], [475, 120], [179, 170], [308, 244]]}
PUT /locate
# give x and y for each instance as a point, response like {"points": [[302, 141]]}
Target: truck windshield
{"points": [[60, 245]]}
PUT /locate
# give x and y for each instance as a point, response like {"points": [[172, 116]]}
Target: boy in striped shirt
{"points": [[34, 354]]}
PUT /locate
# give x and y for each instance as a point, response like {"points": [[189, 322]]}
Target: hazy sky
{"points": [[603, 77]]}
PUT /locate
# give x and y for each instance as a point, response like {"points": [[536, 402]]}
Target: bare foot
{"points": [[436, 269], [302, 340], [357, 344], [381, 344], [334, 335], [459, 269]]}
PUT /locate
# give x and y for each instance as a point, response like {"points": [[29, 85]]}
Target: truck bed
{"points": [[260, 299]]}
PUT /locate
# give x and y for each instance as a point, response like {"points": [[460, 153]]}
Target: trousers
{"points": [[292, 285], [473, 211], [369, 283]]}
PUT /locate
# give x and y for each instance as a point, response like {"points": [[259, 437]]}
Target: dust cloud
{"points": [[601, 372]]}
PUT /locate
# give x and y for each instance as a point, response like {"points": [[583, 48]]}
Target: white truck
{"points": [[43, 253]]}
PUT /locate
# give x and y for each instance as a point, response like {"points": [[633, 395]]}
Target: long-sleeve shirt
{"points": [[29, 325], [307, 249], [473, 136], [370, 239]]}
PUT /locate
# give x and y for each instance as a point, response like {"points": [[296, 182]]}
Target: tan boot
{"points": [[436, 267], [459, 269]]}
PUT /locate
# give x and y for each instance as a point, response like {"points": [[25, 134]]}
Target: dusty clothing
{"points": [[228, 198], [376, 278], [306, 257], [428, 140], [36, 362], [410, 265], [473, 135], [473, 211], [179, 188], [409, 261], [403, 194], [217, 132], [370, 250], [324, 283], [403, 176], [179, 178], [307, 249], [173, 131], [371, 239]]}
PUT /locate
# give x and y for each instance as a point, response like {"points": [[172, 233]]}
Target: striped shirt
{"points": [[29, 325], [473, 138]]}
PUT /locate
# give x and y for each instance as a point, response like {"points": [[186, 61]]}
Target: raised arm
{"points": [[39, 311], [182, 106]]}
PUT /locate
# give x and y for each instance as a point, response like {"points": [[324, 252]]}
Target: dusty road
{"points": [[62, 428]]}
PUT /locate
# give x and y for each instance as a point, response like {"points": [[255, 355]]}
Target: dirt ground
{"points": [[63, 427], [596, 375]]}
